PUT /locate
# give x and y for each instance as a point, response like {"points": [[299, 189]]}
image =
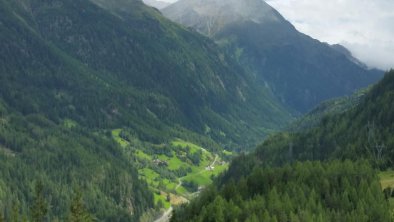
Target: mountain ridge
{"points": [[72, 72], [301, 71]]}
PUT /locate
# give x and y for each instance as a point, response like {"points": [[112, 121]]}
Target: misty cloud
{"points": [[366, 27]]}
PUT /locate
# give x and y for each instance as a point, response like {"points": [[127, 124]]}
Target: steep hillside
{"points": [[65, 158], [329, 107], [301, 71], [73, 71], [138, 66], [310, 191], [341, 184], [365, 130]]}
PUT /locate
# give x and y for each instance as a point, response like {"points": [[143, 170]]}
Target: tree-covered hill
{"points": [[278, 182], [65, 157], [329, 107], [364, 131], [72, 71], [119, 62], [309, 191]]}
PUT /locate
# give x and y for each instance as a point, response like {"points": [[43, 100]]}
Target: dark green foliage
{"points": [[39, 208], [190, 186], [195, 157], [35, 148], [387, 192], [310, 191], [15, 213], [133, 69], [329, 107], [364, 131], [71, 71], [78, 211]]}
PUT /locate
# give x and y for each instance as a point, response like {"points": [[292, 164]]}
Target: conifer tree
{"points": [[1, 217], [78, 211], [15, 212], [40, 207]]}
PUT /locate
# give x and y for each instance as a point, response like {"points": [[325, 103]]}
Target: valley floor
{"points": [[175, 172]]}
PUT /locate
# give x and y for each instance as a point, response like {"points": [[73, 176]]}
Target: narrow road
{"points": [[166, 216], [213, 163], [179, 184]]}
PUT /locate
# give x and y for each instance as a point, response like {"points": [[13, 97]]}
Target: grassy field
{"points": [[116, 135], [203, 176], [193, 147], [175, 158], [143, 155], [387, 179], [163, 198]]}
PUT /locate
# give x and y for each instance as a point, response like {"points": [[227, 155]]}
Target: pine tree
{"points": [[252, 218], [15, 212], [24, 218], [40, 207], [1, 217], [78, 211], [266, 216]]}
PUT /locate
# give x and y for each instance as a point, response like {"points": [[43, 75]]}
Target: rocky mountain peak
{"points": [[208, 16]]}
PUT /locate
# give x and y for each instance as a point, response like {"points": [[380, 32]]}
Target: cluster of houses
{"points": [[160, 163]]}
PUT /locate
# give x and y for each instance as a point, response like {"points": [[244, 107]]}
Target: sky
{"points": [[365, 27]]}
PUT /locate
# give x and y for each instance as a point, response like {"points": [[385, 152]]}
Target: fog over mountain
{"points": [[156, 4], [369, 38]]}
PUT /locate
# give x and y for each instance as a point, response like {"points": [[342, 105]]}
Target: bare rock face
{"points": [[209, 16]]}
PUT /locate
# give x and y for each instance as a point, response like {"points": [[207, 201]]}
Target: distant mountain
{"points": [[210, 17], [329, 107], [73, 71], [363, 131], [301, 71], [342, 49], [156, 4]]}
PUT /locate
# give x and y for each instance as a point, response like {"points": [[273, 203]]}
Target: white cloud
{"points": [[366, 27]]}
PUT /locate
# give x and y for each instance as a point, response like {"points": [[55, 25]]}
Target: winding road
{"points": [[167, 215]]}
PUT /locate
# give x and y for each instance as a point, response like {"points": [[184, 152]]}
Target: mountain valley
{"points": [[109, 111]]}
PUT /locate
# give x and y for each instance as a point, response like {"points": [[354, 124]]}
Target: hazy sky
{"points": [[366, 27]]}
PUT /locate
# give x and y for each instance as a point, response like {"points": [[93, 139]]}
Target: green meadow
{"points": [[182, 163]]}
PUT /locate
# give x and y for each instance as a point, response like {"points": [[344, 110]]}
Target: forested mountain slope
{"points": [[119, 62], [340, 184], [329, 107], [364, 131], [72, 71], [301, 71], [309, 191]]}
